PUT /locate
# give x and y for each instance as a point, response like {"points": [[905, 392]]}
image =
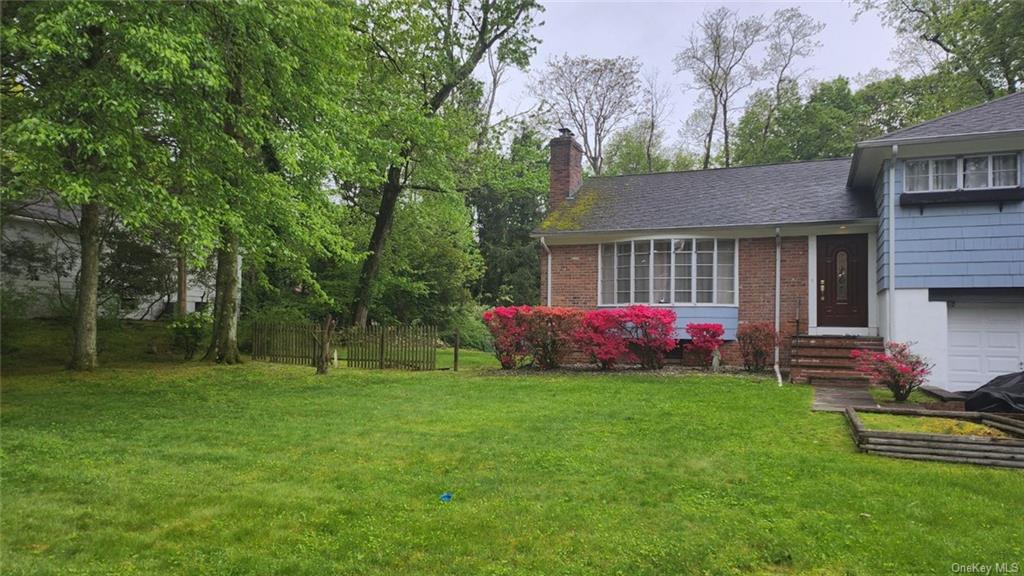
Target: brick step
{"points": [[841, 382], [844, 362], [802, 374], [832, 342], [807, 352]]}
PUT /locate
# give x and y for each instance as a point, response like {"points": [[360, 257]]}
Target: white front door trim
{"points": [[812, 283]]}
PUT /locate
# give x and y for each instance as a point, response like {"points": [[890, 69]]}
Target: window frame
{"points": [[612, 303], [960, 172]]}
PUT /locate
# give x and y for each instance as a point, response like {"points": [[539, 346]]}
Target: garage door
{"points": [[985, 340]]}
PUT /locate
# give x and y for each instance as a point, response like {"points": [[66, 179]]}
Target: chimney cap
{"points": [[565, 132]]}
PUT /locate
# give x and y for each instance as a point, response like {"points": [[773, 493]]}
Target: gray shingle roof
{"points": [[797, 192], [1001, 114]]}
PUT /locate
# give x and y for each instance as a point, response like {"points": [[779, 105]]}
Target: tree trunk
{"points": [[323, 336], [711, 134], [390, 192], [182, 305], [226, 307], [83, 355], [725, 130]]}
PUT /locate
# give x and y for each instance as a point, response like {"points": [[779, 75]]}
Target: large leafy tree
{"points": [[217, 121], [509, 204], [423, 54], [85, 88], [981, 38]]}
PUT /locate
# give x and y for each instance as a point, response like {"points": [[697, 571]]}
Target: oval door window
{"points": [[842, 276]]}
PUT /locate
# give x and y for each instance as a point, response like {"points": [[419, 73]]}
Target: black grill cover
{"points": [[1002, 394]]}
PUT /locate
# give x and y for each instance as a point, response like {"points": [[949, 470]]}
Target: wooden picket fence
{"points": [[284, 342], [402, 347], [375, 347]]}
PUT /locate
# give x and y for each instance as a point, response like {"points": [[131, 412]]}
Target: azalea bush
{"points": [[540, 335], [757, 343], [634, 335], [508, 329], [705, 340], [896, 368], [549, 334]]}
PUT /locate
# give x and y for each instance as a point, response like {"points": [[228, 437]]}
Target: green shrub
{"points": [[473, 333], [190, 331]]}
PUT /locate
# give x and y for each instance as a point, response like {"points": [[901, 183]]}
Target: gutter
{"points": [[890, 302], [548, 287], [778, 297]]}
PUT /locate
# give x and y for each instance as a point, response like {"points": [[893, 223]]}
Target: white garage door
{"points": [[985, 340]]}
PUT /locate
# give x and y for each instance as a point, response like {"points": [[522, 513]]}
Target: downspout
{"points": [[778, 297], [548, 287], [890, 302]]}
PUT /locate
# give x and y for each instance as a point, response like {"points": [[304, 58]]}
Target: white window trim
{"points": [[672, 284], [959, 172]]}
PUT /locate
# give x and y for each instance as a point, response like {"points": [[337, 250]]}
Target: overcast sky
{"points": [[655, 32]]}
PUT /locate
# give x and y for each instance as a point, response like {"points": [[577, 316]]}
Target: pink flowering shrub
{"points": [[539, 335], [705, 340], [634, 335], [507, 327], [549, 334], [897, 368], [601, 337]]}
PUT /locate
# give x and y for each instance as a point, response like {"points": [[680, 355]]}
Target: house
{"points": [[918, 236], [39, 246]]}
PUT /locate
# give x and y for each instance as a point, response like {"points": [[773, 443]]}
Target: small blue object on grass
{"points": [[446, 497]]}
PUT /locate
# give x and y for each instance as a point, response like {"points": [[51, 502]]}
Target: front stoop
{"points": [[825, 360]]}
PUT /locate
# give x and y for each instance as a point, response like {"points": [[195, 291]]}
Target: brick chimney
{"points": [[565, 168]]}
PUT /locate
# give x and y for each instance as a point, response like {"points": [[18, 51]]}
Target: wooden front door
{"points": [[843, 280]]}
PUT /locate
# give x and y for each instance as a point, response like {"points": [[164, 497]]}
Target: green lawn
{"points": [[162, 467]]}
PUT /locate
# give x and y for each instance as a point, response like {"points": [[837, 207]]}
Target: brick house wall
{"points": [[757, 289], [574, 269]]}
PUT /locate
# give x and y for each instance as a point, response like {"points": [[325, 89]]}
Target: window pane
{"points": [[917, 175], [842, 277], [725, 282], [976, 172], [642, 271], [607, 273], [662, 271], [944, 174], [623, 268], [1004, 170], [705, 271], [684, 271]]}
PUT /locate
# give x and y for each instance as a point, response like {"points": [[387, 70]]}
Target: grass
{"points": [[927, 425], [883, 395], [163, 467]]}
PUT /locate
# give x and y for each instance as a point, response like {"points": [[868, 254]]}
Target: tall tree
{"points": [[982, 38], [424, 52], [655, 111], [719, 59], [85, 87], [593, 96]]}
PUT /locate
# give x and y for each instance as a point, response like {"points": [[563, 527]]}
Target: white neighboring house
{"points": [[48, 289]]}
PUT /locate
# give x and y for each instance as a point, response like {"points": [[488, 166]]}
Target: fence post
{"points": [[455, 363], [381, 347]]}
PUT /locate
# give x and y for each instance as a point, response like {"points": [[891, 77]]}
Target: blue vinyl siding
{"points": [[972, 245], [727, 316]]}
